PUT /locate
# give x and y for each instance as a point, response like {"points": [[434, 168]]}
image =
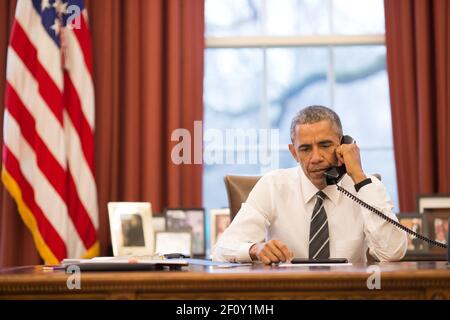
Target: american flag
{"points": [[48, 149]]}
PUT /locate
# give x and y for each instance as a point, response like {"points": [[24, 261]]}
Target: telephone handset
{"points": [[334, 174]]}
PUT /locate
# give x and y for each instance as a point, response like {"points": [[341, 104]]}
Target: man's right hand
{"points": [[272, 251]]}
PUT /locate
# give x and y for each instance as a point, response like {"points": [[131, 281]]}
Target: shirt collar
{"points": [[309, 190]]}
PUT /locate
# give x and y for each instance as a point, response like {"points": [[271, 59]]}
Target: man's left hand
{"points": [[349, 155]]}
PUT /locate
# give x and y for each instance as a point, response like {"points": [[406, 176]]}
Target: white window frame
{"points": [[293, 41]]}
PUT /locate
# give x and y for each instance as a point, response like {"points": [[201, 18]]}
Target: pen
{"points": [[52, 268]]}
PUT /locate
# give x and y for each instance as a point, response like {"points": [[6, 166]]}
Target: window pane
{"points": [[293, 17], [298, 17], [286, 159], [233, 88], [362, 101], [233, 17], [362, 94], [297, 77], [358, 17]]}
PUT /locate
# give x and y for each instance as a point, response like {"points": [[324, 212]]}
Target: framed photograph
{"points": [[131, 228], [191, 220], [437, 221], [414, 221], [220, 220], [433, 201], [173, 242]]}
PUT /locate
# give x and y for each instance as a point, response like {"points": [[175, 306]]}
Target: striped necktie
{"points": [[319, 245]]}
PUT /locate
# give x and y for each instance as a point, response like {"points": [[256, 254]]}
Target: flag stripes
{"points": [[49, 121]]}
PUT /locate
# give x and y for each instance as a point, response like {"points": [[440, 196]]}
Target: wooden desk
{"points": [[402, 280]]}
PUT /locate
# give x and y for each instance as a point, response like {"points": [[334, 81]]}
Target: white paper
{"points": [[314, 264]]}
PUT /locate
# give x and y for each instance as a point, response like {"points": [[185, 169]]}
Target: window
{"points": [[266, 59]]}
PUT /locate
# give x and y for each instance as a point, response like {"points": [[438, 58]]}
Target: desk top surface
{"points": [[415, 280], [422, 269]]}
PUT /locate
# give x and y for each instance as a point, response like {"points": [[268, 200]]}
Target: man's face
{"points": [[314, 148]]}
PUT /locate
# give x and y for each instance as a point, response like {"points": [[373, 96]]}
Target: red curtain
{"points": [[148, 77], [418, 59]]}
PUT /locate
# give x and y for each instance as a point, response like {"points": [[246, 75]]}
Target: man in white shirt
{"points": [[293, 213]]}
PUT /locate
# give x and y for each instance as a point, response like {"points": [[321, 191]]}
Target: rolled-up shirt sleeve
{"points": [[386, 241], [247, 228]]}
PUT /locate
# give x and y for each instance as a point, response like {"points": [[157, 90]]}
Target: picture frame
{"points": [[437, 221], [191, 220], [131, 228], [415, 222], [432, 201], [219, 221], [173, 242]]}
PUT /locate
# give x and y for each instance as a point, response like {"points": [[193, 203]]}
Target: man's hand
{"points": [[272, 251], [349, 155]]}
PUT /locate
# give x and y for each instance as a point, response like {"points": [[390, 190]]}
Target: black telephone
{"points": [[334, 174]]}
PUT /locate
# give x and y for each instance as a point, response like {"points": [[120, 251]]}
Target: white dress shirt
{"points": [[280, 207]]}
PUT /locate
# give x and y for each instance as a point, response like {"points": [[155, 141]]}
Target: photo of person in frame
{"points": [[441, 230], [415, 225], [132, 230]]}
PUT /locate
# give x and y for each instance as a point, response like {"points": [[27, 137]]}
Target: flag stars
{"points": [[45, 4], [56, 26], [61, 7], [56, 4]]}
